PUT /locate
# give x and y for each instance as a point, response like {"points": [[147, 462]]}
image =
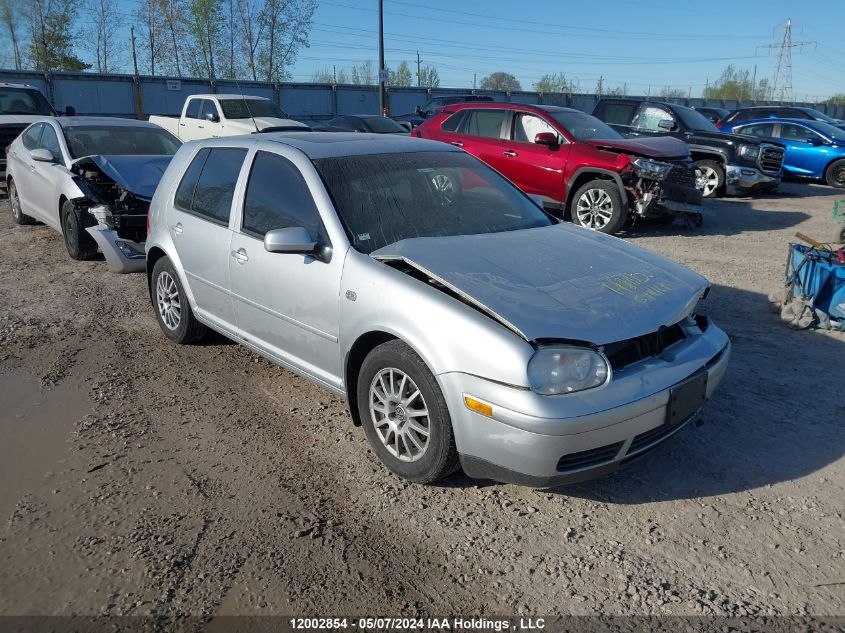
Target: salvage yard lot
{"points": [[152, 478]]}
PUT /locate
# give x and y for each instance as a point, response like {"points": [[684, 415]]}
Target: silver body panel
{"points": [[307, 313]]}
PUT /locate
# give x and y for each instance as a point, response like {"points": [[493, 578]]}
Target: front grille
{"points": [[9, 133], [682, 174], [592, 457], [771, 159], [632, 350]]}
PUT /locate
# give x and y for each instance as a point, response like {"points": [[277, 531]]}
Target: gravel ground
{"points": [[140, 477]]}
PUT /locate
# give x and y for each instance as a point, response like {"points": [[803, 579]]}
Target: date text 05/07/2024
{"points": [[417, 624]]}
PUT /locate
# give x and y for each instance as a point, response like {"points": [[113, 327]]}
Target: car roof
{"points": [[225, 96], [73, 121], [805, 122], [6, 84], [507, 105]]}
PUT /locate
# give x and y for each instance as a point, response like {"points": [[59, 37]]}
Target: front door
{"points": [[536, 169], [286, 304], [806, 151], [199, 225]]}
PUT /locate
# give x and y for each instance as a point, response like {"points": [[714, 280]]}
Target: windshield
{"points": [[382, 125], [695, 120], [24, 101], [820, 116], [585, 127], [86, 140], [247, 108], [384, 198]]}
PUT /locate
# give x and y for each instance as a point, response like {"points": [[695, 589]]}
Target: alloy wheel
{"points": [[594, 209], [445, 187], [839, 176], [399, 414], [167, 299], [706, 180], [15, 202]]}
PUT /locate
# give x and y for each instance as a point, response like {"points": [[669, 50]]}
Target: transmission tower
{"points": [[781, 88]]}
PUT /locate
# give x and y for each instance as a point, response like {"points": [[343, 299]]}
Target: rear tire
{"points": [[709, 178], [392, 415], [15, 203], [597, 205], [80, 245], [173, 311], [834, 175]]}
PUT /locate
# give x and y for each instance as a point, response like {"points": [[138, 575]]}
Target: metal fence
{"points": [[128, 96]]}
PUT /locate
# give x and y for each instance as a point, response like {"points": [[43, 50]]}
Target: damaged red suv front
{"points": [[581, 168]]}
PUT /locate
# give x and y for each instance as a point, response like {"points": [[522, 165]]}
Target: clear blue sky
{"points": [[679, 43]]}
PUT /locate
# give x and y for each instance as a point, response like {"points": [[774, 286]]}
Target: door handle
{"points": [[240, 256], [177, 228], [182, 124], [510, 152], [201, 127], [457, 143]]}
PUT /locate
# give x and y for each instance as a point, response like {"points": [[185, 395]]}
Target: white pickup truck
{"points": [[210, 116]]}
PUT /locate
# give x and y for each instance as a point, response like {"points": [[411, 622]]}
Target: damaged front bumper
{"points": [[674, 194], [122, 255], [741, 180]]}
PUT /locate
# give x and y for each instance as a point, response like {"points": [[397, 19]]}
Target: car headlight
{"points": [[748, 151], [653, 169], [561, 369]]}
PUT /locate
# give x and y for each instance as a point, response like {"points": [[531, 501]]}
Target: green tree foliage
{"points": [[52, 35], [10, 12], [363, 75], [737, 84], [501, 81], [669, 92], [429, 77], [402, 76], [549, 83], [206, 34], [838, 99], [324, 76]]}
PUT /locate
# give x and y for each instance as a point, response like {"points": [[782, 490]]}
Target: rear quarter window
{"points": [[209, 183], [453, 122], [616, 113]]}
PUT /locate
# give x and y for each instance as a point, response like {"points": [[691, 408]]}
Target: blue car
{"points": [[814, 149]]}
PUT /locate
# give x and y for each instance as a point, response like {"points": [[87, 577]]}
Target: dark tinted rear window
{"points": [[451, 124], [616, 113], [209, 184]]}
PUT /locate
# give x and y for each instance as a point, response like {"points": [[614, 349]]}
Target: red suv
{"points": [[581, 168]]}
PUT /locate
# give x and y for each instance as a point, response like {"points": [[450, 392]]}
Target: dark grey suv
{"points": [[429, 107]]}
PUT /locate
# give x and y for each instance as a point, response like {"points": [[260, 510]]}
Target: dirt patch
{"points": [[207, 481]]}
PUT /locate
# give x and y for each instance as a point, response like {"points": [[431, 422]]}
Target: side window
{"points": [[742, 115], [617, 113], [209, 184], [208, 107], [790, 113], [527, 126], [650, 116], [277, 197], [487, 123], [453, 122], [31, 136], [763, 130], [792, 132], [50, 141], [193, 111]]}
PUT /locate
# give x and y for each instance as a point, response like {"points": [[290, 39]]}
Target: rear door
{"points": [[199, 224], [24, 171], [286, 304], [47, 176], [480, 134], [536, 169]]}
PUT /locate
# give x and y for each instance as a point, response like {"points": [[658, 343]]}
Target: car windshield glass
{"points": [[385, 198], [86, 140], [382, 125], [820, 116], [695, 120], [24, 101], [247, 108], [585, 127]]}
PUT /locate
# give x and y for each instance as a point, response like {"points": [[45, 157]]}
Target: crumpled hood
{"points": [[654, 147], [263, 122], [138, 174], [558, 282]]}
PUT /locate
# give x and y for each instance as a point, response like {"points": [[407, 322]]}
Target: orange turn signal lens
{"points": [[478, 406]]}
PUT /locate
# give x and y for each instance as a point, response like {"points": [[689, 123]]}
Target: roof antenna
{"points": [[246, 105]]}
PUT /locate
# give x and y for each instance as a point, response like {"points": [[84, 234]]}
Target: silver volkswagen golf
{"points": [[464, 326]]}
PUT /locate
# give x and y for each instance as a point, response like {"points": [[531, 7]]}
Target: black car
{"points": [[779, 112], [429, 107], [714, 114], [371, 123], [729, 163]]}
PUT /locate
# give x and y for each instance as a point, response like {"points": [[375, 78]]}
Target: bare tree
{"points": [[287, 23], [9, 11], [172, 12], [51, 31], [102, 36], [205, 27], [149, 14], [252, 28]]}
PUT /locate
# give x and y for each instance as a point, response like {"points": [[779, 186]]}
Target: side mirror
{"points": [[548, 139], [70, 111], [42, 155], [212, 116], [666, 124], [293, 239]]}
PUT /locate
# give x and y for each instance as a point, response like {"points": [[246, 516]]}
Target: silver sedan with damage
{"points": [[465, 327]]}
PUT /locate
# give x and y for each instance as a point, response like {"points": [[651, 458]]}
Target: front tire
{"points": [[172, 309], [709, 178], [597, 205], [834, 175], [15, 203], [404, 414], [80, 246]]}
